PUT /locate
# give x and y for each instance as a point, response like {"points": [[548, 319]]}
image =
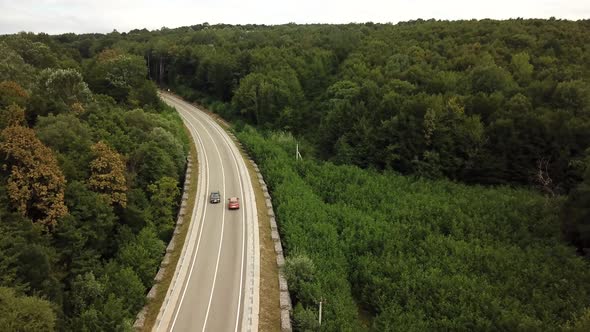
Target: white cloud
{"points": [[59, 16]]}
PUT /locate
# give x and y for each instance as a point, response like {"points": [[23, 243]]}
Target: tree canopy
{"points": [[378, 95], [92, 161], [385, 252], [35, 184], [83, 224]]}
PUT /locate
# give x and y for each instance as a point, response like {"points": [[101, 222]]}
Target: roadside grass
{"points": [[269, 318], [155, 304]]}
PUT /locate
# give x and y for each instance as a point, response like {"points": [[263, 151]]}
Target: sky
{"points": [[79, 16]]}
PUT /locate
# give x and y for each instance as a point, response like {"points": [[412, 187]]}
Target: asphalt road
{"points": [[215, 285]]}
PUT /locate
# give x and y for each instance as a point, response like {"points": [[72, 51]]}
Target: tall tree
{"points": [[117, 74], [24, 313], [576, 211], [13, 115], [163, 197], [60, 90], [12, 93], [108, 174], [36, 184]]}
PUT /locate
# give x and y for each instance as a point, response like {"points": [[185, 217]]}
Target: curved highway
{"points": [[215, 287]]}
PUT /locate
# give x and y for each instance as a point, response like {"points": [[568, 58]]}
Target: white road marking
{"points": [[203, 118], [222, 225], [203, 169], [200, 230], [225, 139]]}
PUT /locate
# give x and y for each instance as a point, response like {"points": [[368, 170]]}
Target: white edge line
{"points": [[185, 284]]}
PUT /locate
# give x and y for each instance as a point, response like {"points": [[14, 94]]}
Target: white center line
{"points": [[186, 113], [235, 160], [222, 222]]}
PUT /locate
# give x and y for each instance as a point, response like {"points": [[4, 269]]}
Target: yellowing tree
{"points": [[108, 174], [108, 55], [36, 184], [12, 93], [13, 115]]}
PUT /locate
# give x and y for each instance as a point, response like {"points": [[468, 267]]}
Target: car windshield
{"points": [[215, 194]]}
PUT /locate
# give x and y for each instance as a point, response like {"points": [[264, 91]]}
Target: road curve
{"points": [[215, 285]]}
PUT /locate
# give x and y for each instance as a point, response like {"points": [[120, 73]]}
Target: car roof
{"points": [[233, 198]]}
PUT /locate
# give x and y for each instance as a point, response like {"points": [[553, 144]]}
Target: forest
{"points": [[479, 102], [387, 252], [445, 181], [90, 166], [474, 101]]}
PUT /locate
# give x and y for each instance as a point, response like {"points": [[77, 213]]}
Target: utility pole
{"points": [[320, 320]]}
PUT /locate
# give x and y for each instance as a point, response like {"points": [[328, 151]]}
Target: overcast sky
{"points": [[61, 16]]}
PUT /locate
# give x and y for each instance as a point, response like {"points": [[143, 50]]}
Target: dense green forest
{"points": [[405, 254], [480, 102], [451, 104], [90, 162]]}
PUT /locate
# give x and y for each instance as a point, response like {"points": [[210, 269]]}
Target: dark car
{"points": [[234, 203], [215, 197]]}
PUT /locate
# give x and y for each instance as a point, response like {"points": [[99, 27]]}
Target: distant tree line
{"points": [[476, 101]]}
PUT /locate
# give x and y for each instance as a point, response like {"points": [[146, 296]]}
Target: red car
{"points": [[234, 203]]}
